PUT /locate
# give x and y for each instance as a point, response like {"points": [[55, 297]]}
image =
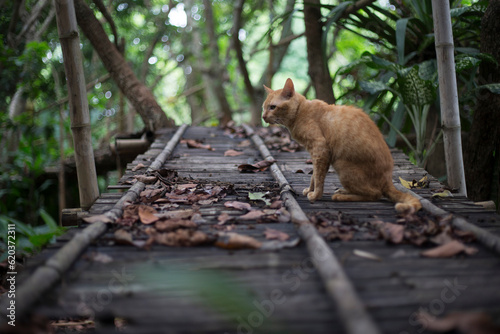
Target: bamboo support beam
{"points": [[352, 310], [450, 114], [78, 103], [54, 268]]}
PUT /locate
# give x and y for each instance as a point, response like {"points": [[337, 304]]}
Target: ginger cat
{"points": [[344, 137]]}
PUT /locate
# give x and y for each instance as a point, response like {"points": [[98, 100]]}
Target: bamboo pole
{"points": [[450, 116], [78, 104]]}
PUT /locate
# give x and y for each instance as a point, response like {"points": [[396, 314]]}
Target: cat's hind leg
{"points": [[358, 186]]}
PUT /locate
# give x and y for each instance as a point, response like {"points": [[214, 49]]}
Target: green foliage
{"points": [[28, 238], [402, 77]]}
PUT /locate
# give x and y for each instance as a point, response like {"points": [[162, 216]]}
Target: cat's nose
{"points": [[264, 117]]}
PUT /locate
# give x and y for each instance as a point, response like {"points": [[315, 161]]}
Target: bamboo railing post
{"points": [[78, 104], [450, 116]]}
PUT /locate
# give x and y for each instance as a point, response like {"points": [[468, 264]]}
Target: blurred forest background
{"points": [[205, 62]]}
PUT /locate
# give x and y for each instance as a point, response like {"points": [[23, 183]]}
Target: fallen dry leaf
{"points": [[238, 205], [276, 204], [173, 224], [97, 218], [192, 143], [231, 240], [223, 218], [145, 178], [138, 166], [181, 237], [390, 232], [464, 322], [207, 201], [273, 234], [245, 143], [414, 184], [147, 214], [232, 153], [186, 186], [150, 195], [449, 249], [125, 238], [256, 167], [176, 214], [256, 214]]}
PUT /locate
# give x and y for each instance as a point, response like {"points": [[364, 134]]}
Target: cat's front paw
{"points": [[306, 191], [313, 196]]}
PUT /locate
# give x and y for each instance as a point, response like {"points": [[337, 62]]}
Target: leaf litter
{"points": [[419, 229], [157, 218]]}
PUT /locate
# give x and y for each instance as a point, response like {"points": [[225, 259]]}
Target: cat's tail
{"points": [[405, 202]]}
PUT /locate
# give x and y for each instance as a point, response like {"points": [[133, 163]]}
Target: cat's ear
{"points": [[288, 91], [268, 90]]}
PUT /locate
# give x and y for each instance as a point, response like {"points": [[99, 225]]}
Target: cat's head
{"points": [[281, 105]]}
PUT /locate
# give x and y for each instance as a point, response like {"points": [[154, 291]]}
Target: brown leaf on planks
{"points": [[97, 218], [232, 153], [245, 143], [183, 187], [231, 240], [390, 232], [176, 214], [192, 143], [180, 237], [223, 218], [463, 322], [124, 237], [149, 195], [273, 234], [138, 166], [238, 205], [173, 224], [147, 214], [256, 214], [256, 167], [449, 249]]}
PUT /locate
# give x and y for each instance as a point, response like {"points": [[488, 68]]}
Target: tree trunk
{"points": [[216, 69], [256, 109], [483, 149], [136, 92], [318, 67]]}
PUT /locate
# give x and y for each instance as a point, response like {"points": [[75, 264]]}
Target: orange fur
{"points": [[344, 137]]}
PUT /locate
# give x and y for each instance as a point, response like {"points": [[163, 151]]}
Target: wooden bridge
{"points": [[210, 236]]}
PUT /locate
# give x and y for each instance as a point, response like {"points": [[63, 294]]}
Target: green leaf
{"points": [[41, 239], [463, 62], [400, 39], [259, 196], [494, 88], [415, 90], [48, 220], [428, 70], [349, 67], [374, 87]]}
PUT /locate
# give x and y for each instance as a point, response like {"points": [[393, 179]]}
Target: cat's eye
{"points": [[272, 107]]}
